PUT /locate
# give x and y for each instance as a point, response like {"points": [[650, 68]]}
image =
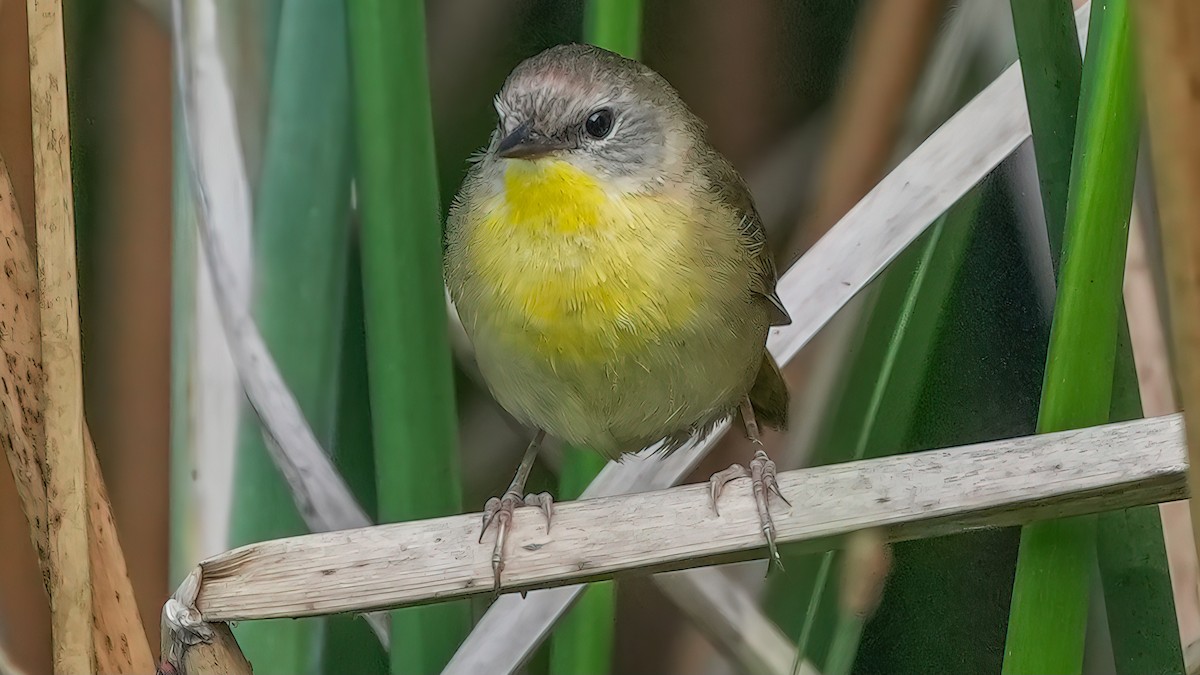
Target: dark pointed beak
{"points": [[525, 143]]}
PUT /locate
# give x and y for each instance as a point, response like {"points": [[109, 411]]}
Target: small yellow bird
{"points": [[612, 273]]}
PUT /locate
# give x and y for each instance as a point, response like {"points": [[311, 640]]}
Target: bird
{"points": [[612, 275]]}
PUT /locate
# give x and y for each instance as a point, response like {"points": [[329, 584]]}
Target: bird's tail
{"points": [[769, 394]]}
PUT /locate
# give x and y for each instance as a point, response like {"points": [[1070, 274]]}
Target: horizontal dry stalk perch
{"points": [[910, 496]]}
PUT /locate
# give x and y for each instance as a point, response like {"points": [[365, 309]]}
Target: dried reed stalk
{"points": [[219, 656], [193, 647], [62, 405], [909, 496], [117, 627], [1169, 44]]}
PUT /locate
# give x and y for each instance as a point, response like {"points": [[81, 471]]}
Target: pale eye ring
{"points": [[599, 124]]}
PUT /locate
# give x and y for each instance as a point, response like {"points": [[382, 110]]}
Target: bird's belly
{"points": [[606, 321], [628, 398], [617, 365]]}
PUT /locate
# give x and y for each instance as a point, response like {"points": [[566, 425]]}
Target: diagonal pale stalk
{"points": [[944, 168], [1049, 605], [408, 348], [583, 642], [875, 411], [1131, 552], [205, 420], [219, 188], [116, 615], [214, 166], [301, 214]]}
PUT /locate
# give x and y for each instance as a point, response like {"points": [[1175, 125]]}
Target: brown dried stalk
{"points": [[62, 405], [116, 627], [1169, 45]]}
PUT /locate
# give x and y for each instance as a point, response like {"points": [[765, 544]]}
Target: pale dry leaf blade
{"points": [[732, 621]]}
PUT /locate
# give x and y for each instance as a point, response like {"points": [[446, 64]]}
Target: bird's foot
{"points": [[763, 483], [499, 510]]}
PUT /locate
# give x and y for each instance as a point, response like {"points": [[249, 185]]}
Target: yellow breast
{"points": [[577, 271]]}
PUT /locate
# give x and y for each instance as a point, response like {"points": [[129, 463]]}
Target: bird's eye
{"points": [[599, 123]]}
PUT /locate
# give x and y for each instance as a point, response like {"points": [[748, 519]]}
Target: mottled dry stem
{"points": [[65, 468], [117, 629], [220, 657]]}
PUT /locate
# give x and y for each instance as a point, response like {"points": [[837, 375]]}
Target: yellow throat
{"points": [[578, 270]]}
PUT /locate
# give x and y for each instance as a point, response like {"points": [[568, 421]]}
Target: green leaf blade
{"points": [[1050, 595], [408, 348]]}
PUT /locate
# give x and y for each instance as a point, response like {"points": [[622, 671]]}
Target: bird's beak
{"points": [[525, 143]]}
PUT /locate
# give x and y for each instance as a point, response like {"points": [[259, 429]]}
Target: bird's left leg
{"points": [[762, 476], [499, 510]]}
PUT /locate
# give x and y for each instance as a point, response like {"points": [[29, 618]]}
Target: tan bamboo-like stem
{"points": [[117, 627], [66, 465], [193, 646], [221, 656], [1169, 45]]}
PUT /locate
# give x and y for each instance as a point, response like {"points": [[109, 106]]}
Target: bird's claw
{"points": [[545, 502], [763, 484], [717, 483], [499, 510]]}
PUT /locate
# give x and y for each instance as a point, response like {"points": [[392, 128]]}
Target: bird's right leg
{"points": [[499, 510]]}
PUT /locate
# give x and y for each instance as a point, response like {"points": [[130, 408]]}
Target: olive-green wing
{"points": [[732, 190]]}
